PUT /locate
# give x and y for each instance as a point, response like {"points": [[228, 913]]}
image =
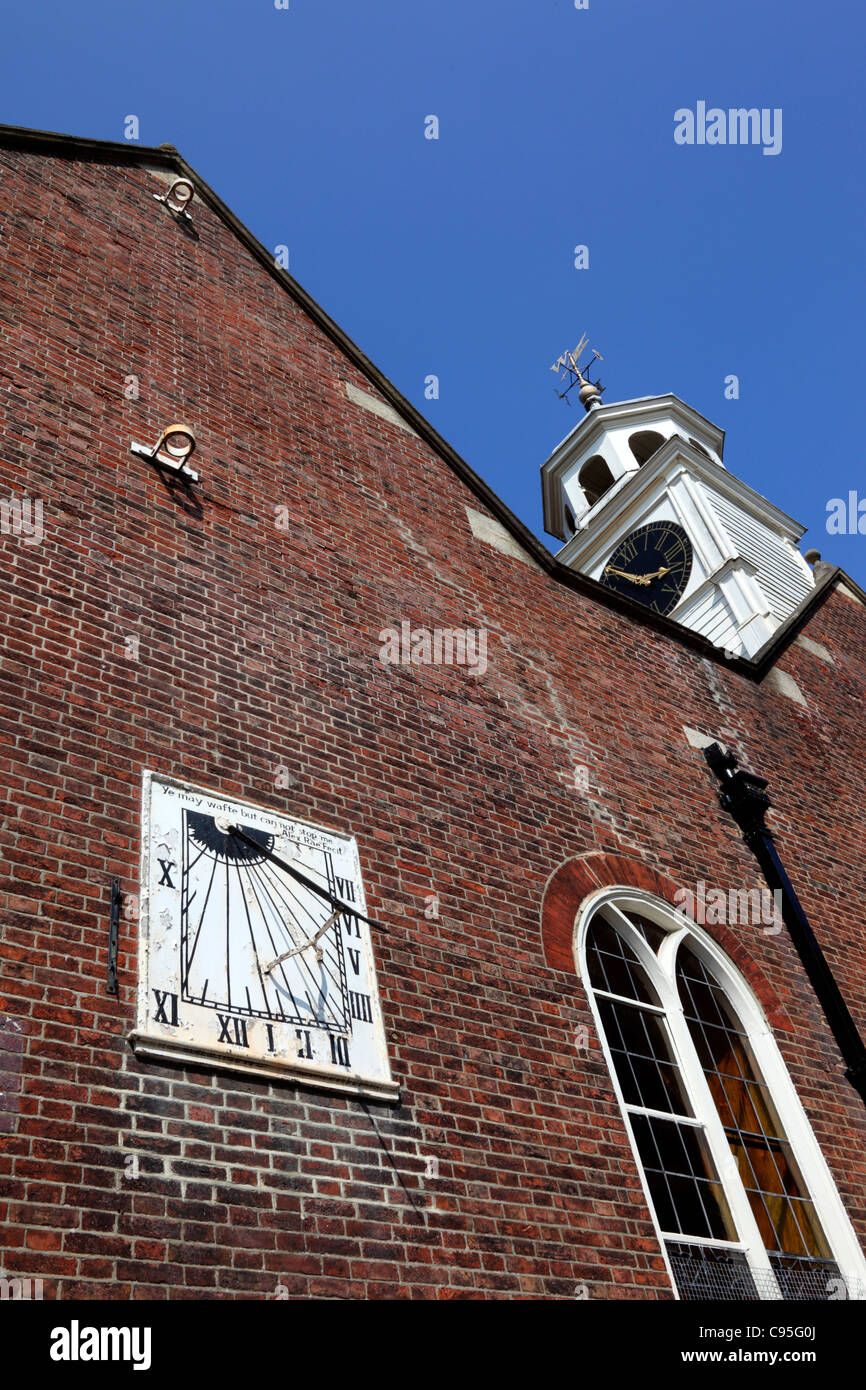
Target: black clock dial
{"points": [[652, 564]]}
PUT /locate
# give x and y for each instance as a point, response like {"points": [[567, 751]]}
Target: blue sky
{"points": [[455, 256]]}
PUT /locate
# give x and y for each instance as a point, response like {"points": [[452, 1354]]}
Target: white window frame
{"points": [[809, 1160]]}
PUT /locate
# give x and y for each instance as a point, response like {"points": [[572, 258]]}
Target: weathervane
{"points": [[568, 366]]}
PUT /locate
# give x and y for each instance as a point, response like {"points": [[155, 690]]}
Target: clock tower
{"points": [[643, 502]]}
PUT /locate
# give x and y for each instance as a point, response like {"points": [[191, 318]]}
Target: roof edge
{"points": [[754, 668], [834, 576], [80, 147]]}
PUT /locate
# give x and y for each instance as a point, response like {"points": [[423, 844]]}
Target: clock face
{"points": [[245, 956], [652, 565]]}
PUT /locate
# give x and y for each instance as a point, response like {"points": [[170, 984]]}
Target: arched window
{"points": [[742, 1200], [595, 478], [644, 444]]}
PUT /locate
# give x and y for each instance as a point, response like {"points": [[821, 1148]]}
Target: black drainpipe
{"points": [[743, 795]]}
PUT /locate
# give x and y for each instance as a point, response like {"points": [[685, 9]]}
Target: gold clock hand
{"points": [[639, 578], [621, 574]]}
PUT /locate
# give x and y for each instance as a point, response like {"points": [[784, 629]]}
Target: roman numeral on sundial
{"points": [[360, 1008], [166, 865], [165, 1000], [232, 1030]]}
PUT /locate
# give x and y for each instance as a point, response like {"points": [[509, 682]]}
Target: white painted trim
{"points": [[642, 489], [193, 1054], [644, 411]]}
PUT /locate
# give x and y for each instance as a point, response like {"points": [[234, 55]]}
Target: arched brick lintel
{"points": [[577, 878]]}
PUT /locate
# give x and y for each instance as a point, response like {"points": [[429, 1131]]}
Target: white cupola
{"points": [[640, 497]]}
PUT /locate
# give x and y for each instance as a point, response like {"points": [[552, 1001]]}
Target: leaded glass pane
{"points": [[613, 965], [652, 934], [642, 1054], [683, 1182], [782, 1209]]}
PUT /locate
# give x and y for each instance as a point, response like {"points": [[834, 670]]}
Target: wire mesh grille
{"points": [[707, 1272], [806, 1279], [702, 1271]]}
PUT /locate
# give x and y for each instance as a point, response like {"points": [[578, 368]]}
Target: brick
{"points": [[258, 647]]}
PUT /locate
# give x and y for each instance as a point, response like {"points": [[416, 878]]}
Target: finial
{"points": [[820, 568], [568, 367]]}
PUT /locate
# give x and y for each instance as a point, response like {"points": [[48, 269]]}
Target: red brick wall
{"points": [[258, 648]]}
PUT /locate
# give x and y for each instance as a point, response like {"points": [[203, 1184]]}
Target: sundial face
{"points": [[245, 955]]}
